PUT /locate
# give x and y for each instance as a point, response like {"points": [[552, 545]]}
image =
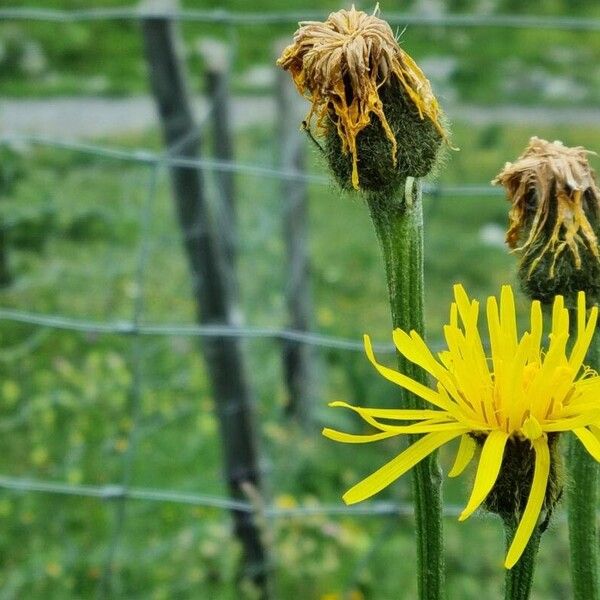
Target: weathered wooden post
{"points": [[216, 76], [297, 358], [205, 252]]}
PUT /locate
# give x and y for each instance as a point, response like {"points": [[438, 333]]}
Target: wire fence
{"points": [[118, 492], [143, 156], [135, 327], [225, 17]]}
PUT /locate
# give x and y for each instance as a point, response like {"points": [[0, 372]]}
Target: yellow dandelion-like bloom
{"points": [[340, 65], [522, 393], [558, 181]]}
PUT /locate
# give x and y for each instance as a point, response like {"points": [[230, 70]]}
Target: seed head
{"points": [[342, 64], [554, 219]]}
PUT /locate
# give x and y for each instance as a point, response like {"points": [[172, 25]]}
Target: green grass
{"points": [[489, 65], [66, 400]]}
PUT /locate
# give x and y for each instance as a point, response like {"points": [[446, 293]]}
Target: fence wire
{"points": [[166, 159], [144, 156], [225, 17], [120, 492]]}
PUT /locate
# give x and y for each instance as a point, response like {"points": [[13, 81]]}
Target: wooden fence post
{"points": [[297, 358], [204, 249], [216, 76]]}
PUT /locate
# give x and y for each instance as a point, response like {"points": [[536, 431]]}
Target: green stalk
{"points": [[398, 223], [582, 506], [519, 579]]}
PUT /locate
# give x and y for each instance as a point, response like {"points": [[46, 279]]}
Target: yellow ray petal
{"points": [[487, 471], [584, 339], [595, 429], [536, 331], [454, 315], [493, 320], [542, 386], [558, 316], [354, 438], [394, 414], [585, 404], [534, 502], [469, 313], [590, 441], [508, 319], [415, 453], [467, 417], [466, 309], [580, 313], [465, 372], [572, 423], [403, 381], [466, 451], [515, 405], [392, 430], [415, 349]]}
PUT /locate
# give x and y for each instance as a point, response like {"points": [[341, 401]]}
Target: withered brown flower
{"points": [[551, 187], [341, 64]]}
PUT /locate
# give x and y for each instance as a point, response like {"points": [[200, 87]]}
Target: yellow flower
{"points": [[522, 394]]}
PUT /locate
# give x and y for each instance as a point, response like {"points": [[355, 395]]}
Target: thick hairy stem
{"points": [[583, 503], [398, 222], [519, 579]]}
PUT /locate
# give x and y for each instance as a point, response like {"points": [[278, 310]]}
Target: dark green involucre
{"points": [[510, 493], [418, 145], [544, 282]]}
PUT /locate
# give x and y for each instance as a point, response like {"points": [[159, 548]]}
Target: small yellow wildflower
{"points": [[341, 64], [522, 394]]}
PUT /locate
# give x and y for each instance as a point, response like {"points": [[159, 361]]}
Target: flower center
{"points": [[529, 373], [531, 428]]}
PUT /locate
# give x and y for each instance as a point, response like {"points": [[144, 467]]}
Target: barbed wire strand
{"points": [[225, 17]]}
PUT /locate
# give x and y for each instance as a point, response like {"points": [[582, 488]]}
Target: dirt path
{"points": [[97, 117]]}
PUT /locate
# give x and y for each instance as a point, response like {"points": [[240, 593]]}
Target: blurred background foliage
{"points": [[81, 228], [481, 65]]}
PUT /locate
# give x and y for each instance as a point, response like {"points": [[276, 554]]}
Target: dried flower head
{"points": [[511, 404], [342, 64], [554, 193]]}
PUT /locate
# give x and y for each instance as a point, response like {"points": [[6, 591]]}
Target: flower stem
{"points": [[583, 501], [519, 579], [398, 223]]}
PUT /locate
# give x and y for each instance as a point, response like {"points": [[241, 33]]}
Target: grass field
{"points": [[69, 411], [468, 65]]}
